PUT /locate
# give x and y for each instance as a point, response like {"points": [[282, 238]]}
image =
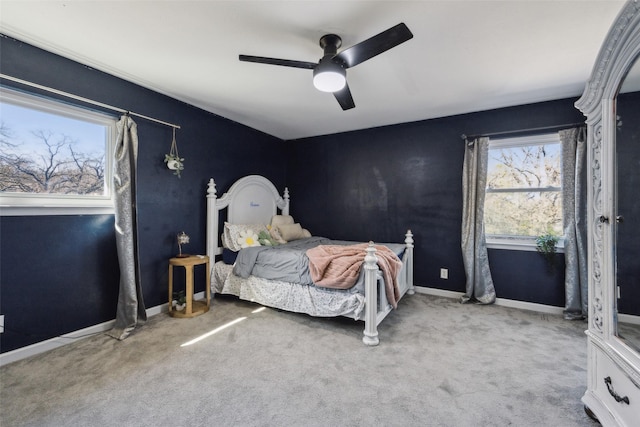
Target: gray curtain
{"points": [[131, 310], [474, 246], [574, 211]]}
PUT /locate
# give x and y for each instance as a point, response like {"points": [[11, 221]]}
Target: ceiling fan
{"points": [[329, 74]]}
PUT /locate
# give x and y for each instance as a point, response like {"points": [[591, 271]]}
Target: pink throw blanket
{"points": [[338, 267]]}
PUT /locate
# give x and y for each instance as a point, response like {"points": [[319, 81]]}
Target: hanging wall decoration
{"points": [[173, 159]]}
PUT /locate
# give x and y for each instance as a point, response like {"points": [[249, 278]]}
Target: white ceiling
{"points": [[465, 55]]}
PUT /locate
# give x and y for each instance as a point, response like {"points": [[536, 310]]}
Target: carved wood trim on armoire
{"points": [[613, 360]]}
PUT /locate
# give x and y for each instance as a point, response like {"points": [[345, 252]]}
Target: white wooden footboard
{"points": [[376, 304]]}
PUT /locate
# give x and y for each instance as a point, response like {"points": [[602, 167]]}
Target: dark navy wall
{"points": [[628, 236], [57, 274], [60, 273], [376, 183]]}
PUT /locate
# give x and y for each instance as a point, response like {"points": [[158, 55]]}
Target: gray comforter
{"points": [[289, 262]]}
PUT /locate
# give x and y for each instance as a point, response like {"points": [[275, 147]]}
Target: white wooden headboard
{"points": [[251, 200]]}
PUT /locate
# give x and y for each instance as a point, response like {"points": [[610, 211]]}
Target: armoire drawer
{"points": [[617, 391]]}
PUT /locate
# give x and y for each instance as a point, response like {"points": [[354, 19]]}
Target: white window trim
{"points": [[523, 141], [21, 204], [522, 243], [518, 243]]}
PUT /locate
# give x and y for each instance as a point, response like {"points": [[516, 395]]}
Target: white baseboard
{"points": [[71, 337], [629, 318], [531, 306], [437, 292], [50, 344]]}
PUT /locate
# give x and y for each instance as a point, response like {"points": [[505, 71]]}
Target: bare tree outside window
{"points": [[52, 149], [524, 196], [57, 168]]}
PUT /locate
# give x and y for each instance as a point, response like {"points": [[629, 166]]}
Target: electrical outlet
{"points": [[2, 324], [444, 273]]}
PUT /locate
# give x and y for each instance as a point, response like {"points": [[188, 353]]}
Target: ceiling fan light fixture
{"points": [[329, 78]]}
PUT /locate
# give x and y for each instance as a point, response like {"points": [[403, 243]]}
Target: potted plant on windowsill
{"points": [[546, 246]]}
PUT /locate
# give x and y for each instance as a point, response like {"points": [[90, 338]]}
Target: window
{"points": [[524, 191], [54, 158]]}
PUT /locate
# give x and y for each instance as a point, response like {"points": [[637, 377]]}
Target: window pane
{"points": [[523, 213], [46, 153], [532, 166]]}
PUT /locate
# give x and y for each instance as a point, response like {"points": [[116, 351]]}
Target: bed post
{"points": [[371, 297], [285, 209], [409, 260], [212, 223]]}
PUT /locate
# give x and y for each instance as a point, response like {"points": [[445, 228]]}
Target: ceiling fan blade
{"points": [[344, 98], [375, 45], [276, 61]]}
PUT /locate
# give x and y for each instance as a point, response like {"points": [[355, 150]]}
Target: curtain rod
{"points": [[514, 132], [88, 101]]}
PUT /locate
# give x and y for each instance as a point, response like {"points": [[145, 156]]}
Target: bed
{"points": [[253, 201]]}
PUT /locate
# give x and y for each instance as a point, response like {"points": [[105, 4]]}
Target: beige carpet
{"points": [[439, 363]]}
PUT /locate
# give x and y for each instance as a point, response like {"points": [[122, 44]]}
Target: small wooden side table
{"points": [[192, 308]]}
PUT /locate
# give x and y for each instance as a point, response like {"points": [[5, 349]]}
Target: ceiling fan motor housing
{"points": [[330, 44], [330, 75]]}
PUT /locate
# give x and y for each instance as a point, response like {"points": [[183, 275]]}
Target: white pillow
{"points": [[235, 235]]}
